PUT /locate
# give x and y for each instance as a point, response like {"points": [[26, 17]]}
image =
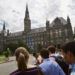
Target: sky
{"points": [[13, 12]]}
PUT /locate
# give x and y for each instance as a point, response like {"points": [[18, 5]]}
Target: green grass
{"points": [[2, 58]]}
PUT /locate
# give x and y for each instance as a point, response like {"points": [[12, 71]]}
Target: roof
{"points": [[41, 29], [16, 33], [36, 30], [63, 21]]}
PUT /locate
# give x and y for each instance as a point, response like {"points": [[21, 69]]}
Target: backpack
{"points": [[62, 64]]}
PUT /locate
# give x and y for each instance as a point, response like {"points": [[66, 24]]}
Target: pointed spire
{"points": [[47, 24], [74, 30], [27, 8], [4, 26], [8, 32], [27, 21], [26, 12], [68, 20]]}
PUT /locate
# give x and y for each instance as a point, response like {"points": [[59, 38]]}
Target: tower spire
{"points": [[4, 26], [27, 21], [68, 20], [27, 12], [47, 24]]}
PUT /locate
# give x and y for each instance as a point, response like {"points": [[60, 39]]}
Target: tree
{"points": [[7, 53], [21, 43], [39, 47], [12, 46]]}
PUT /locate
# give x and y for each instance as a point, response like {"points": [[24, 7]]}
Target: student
{"points": [[38, 58], [49, 67], [22, 57], [68, 51], [51, 50], [58, 58]]}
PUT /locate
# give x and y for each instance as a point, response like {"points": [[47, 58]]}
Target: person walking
{"points": [[49, 67], [68, 51], [58, 58], [22, 56]]}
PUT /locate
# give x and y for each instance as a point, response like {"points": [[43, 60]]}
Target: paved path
{"points": [[8, 67]]}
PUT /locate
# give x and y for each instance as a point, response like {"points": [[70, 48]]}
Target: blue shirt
{"points": [[50, 67], [73, 69]]}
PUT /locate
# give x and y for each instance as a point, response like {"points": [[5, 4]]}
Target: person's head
{"points": [[22, 57], [51, 49], [68, 51], [44, 53], [36, 55]]}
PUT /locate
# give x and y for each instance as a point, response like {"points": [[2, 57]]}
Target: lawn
{"points": [[2, 59]]}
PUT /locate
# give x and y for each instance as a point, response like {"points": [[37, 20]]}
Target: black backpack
{"points": [[62, 64]]}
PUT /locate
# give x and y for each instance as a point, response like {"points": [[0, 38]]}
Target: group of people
{"points": [[47, 62]]}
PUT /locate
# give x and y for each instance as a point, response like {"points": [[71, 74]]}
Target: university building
{"points": [[57, 32]]}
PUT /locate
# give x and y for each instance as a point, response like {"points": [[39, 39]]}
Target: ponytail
{"points": [[22, 57], [22, 65]]}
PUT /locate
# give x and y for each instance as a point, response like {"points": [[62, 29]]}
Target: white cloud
{"points": [[13, 12]]}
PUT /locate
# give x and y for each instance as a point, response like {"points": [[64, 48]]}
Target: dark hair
{"points": [[44, 53], [70, 46], [36, 55], [51, 49]]}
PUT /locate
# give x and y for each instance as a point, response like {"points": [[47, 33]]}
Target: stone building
{"points": [[74, 34], [57, 32]]}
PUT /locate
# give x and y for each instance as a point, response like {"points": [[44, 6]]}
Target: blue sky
{"points": [[13, 12]]}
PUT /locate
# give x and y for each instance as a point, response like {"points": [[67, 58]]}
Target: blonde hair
{"points": [[22, 57]]}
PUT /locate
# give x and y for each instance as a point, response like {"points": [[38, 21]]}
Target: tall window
{"points": [[60, 32], [65, 32], [67, 39], [51, 34], [56, 33], [51, 41], [42, 42]]}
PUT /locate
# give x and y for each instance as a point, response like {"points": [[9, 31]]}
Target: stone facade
{"points": [[57, 32]]}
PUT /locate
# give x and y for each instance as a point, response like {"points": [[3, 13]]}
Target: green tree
{"points": [[7, 53], [12, 46], [21, 43], [39, 47]]}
